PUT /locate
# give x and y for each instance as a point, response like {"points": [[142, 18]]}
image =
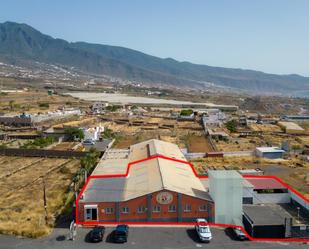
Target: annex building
{"points": [[159, 189]]}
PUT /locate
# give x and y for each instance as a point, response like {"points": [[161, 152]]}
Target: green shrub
{"points": [[113, 108], [44, 105], [186, 112], [3, 146], [74, 134], [108, 134], [39, 142], [231, 125]]}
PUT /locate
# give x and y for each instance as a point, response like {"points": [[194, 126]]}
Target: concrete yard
{"points": [[144, 238]]}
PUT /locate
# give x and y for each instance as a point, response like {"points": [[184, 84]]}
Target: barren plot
{"points": [[169, 139], [28, 175], [124, 128], [199, 144], [28, 101], [239, 144], [13, 167], [276, 140], [288, 170], [267, 128], [304, 140], [22, 209], [65, 146]]}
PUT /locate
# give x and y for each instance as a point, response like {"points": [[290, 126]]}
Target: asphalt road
{"points": [[143, 238]]}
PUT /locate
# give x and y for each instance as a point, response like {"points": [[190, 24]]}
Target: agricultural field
{"points": [[295, 142], [36, 101], [123, 128], [235, 143], [21, 190], [265, 128], [134, 130], [198, 144], [304, 140], [14, 143], [65, 146]]}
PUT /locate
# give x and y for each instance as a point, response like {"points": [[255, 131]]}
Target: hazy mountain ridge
{"points": [[20, 41]]}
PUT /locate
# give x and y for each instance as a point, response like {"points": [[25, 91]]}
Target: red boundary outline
{"points": [[185, 223]]}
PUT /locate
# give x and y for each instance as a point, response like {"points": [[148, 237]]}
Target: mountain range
{"points": [[21, 42]]}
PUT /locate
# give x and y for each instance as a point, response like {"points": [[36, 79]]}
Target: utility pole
{"points": [[45, 202]]}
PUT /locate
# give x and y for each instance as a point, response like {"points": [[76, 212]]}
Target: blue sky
{"points": [[266, 35]]}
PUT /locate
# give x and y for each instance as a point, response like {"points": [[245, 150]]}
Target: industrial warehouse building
{"points": [[155, 190], [152, 182]]}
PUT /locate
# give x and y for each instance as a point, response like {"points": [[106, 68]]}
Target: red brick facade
{"points": [[179, 207]]}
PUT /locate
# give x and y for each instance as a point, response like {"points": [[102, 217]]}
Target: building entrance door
{"points": [[91, 212]]}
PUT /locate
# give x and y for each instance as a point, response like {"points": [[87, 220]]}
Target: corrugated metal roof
{"points": [[265, 183], [154, 147], [148, 176], [104, 189]]}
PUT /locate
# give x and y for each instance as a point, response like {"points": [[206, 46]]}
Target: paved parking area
{"points": [[143, 238]]}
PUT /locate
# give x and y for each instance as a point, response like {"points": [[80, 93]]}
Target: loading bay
{"points": [[146, 238]]}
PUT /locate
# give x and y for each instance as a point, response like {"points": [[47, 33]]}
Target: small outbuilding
{"points": [[269, 152], [267, 221]]}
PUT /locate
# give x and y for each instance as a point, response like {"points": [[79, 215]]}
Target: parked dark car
{"points": [[96, 234], [239, 234], [121, 234]]}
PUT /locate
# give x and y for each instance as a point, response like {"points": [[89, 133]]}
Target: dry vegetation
{"points": [[295, 172], [29, 101], [65, 146], [134, 130], [266, 128], [239, 144], [82, 121], [236, 143], [21, 189], [198, 144]]}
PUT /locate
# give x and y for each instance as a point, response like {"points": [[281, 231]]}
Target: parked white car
{"points": [[203, 230]]}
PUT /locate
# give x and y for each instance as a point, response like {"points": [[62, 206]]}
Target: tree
{"points": [[39, 142], [113, 108], [187, 112], [108, 134], [90, 160], [11, 103], [231, 125], [44, 105], [74, 133]]}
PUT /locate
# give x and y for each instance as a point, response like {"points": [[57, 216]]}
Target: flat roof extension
{"points": [[265, 183], [271, 214]]}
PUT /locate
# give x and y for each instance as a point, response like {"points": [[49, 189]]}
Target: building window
{"points": [[125, 210], [109, 210], [172, 208], [187, 208], [202, 208], [91, 212], [156, 209], [141, 209]]}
